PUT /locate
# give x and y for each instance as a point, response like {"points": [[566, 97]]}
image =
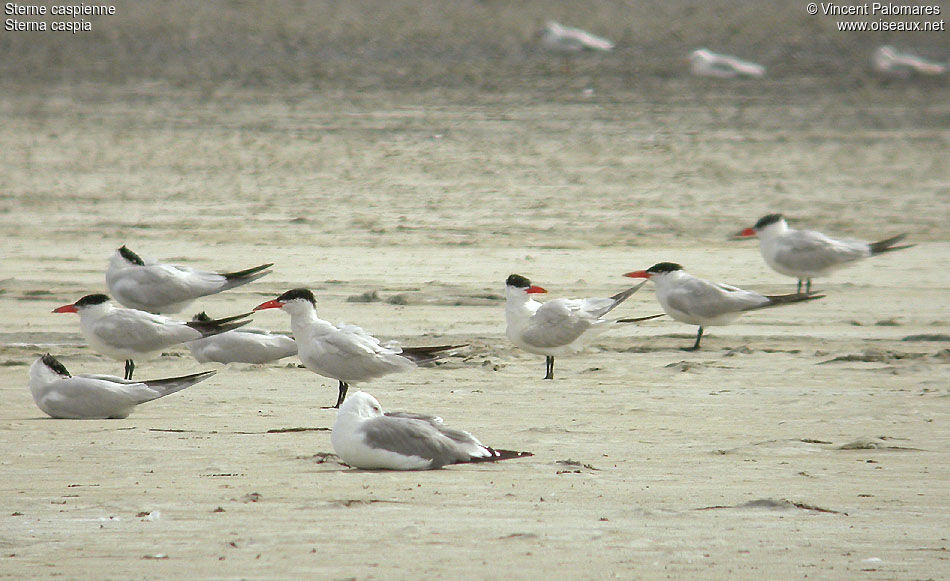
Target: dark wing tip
{"points": [[499, 455]]}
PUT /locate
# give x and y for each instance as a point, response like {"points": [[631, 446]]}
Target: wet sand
{"points": [[804, 441]]}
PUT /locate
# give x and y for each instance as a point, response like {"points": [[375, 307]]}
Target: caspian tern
{"points": [[343, 352], [156, 287], [700, 302], [557, 327], [805, 254], [62, 395], [890, 62], [566, 39], [364, 437], [127, 333], [705, 63], [244, 345]]}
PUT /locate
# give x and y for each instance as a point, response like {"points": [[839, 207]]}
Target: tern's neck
{"points": [[304, 317], [773, 231], [95, 312]]}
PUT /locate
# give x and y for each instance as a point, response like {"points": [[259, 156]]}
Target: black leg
{"points": [[549, 367], [808, 286], [343, 387], [129, 367], [699, 335], [799, 289]]}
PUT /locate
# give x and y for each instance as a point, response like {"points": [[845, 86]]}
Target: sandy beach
{"points": [[809, 441]]}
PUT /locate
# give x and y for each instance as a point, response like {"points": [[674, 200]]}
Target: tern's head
{"points": [[361, 404], [517, 285], [766, 224], [292, 301], [44, 371], [129, 257], [201, 317], [659, 269], [87, 302], [53, 364]]}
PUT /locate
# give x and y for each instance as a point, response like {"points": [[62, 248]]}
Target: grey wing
{"points": [[555, 324], [434, 420], [701, 298], [94, 397], [811, 251], [420, 438], [142, 331]]}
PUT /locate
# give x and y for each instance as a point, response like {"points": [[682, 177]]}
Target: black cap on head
{"points": [[766, 220], [131, 256], [89, 300], [55, 365], [298, 293], [201, 317], [664, 267], [517, 281]]}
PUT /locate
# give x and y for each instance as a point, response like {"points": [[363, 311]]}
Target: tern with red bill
{"points": [[79, 397], [344, 352], [148, 285], [806, 254], [699, 302], [124, 334], [557, 327], [365, 437]]}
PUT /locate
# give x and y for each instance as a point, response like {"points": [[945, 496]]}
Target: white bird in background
{"points": [[557, 327], [61, 395], [889, 62], [152, 286], [705, 63], [244, 345], [565, 39], [364, 437], [124, 334], [699, 302], [806, 254], [343, 352]]}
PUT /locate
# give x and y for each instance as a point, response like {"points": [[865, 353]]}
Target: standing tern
{"points": [[365, 437], [124, 334], [156, 287], [557, 327], [343, 352], [805, 254], [244, 345], [61, 395], [700, 302]]}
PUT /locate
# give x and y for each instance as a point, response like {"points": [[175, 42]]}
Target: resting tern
{"points": [[343, 352], [156, 287], [805, 254], [557, 327], [705, 63], [127, 333], [244, 345], [566, 39], [890, 62], [700, 302], [62, 395], [365, 437]]}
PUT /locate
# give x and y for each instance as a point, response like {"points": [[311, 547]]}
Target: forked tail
{"points": [[888, 245]]}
